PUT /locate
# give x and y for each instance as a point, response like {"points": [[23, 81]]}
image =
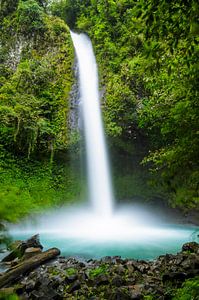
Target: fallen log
{"points": [[19, 247], [26, 266]]}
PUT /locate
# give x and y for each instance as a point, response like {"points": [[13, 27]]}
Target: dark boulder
{"points": [[179, 276], [192, 247], [74, 287], [71, 278], [101, 280]]}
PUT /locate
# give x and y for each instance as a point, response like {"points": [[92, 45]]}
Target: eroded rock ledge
{"points": [[107, 278]]}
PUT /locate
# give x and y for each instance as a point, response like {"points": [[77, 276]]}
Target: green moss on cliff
{"points": [[36, 56], [35, 89]]}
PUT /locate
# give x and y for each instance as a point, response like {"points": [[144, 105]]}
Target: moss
{"points": [[36, 78], [103, 269], [39, 81], [71, 271]]}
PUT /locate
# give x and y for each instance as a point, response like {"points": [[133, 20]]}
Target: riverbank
{"points": [[106, 278]]}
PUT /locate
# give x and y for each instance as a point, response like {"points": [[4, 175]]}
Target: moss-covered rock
{"points": [[118, 278]]}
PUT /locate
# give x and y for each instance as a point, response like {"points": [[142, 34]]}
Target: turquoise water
{"points": [[166, 239]]}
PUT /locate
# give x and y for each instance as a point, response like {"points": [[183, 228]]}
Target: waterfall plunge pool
{"points": [[98, 230], [129, 233]]}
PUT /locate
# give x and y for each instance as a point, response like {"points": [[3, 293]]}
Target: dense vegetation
{"points": [[36, 76], [147, 53], [148, 57]]}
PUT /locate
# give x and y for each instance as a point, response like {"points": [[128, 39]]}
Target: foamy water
{"points": [[130, 232]]}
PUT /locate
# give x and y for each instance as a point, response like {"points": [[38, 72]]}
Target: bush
{"points": [[30, 17], [189, 290]]}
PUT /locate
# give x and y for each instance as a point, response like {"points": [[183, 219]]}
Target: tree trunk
{"points": [[26, 266]]}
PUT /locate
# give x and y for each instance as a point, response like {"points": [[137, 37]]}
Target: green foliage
{"points": [[33, 96], [148, 58], [98, 271], [148, 297], [30, 17], [66, 9], [134, 186], [189, 290], [148, 61], [28, 187], [71, 271], [11, 296], [7, 7], [36, 57]]}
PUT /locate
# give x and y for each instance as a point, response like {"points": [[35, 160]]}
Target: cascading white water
{"points": [[100, 188], [130, 231]]}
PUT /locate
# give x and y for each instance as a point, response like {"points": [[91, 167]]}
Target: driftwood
{"points": [[21, 246], [26, 266]]}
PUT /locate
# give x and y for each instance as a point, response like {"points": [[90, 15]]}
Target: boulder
{"points": [[118, 281], [192, 247], [74, 286], [19, 248], [101, 279]]}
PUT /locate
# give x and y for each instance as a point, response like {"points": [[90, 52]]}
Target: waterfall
{"points": [[132, 231], [99, 181]]}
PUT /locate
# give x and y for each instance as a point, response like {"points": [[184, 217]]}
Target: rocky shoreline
{"points": [[54, 277]]}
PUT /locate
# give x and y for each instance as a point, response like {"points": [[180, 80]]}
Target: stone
{"points": [[46, 281], [71, 278], [74, 286], [124, 279], [192, 247], [101, 280], [107, 259], [83, 276], [119, 294], [81, 264], [119, 269], [37, 295], [174, 276], [30, 285], [50, 293], [117, 281], [136, 296], [130, 267], [56, 281]]}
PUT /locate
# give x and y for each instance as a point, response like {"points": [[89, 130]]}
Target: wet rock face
{"points": [[110, 277]]}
